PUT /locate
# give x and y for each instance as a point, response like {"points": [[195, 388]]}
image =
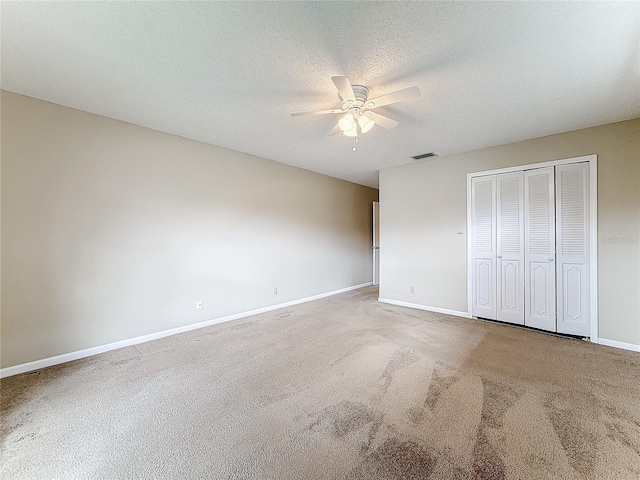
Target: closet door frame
{"points": [[593, 230]]}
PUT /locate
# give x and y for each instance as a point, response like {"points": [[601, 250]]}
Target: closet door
{"points": [[510, 248], [540, 249], [483, 246], [572, 239]]}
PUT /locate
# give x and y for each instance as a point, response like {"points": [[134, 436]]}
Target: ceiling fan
{"points": [[357, 108]]}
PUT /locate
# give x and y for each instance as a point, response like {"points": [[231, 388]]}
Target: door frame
{"points": [[375, 247], [593, 229]]}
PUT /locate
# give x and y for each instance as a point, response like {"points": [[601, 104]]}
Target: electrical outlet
{"points": [[412, 289], [275, 290], [199, 305]]}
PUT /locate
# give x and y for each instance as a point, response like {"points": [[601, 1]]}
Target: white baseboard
{"points": [[455, 313], [88, 352], [614, 343], [601, 341]]}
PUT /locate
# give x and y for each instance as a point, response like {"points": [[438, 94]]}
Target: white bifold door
{"points": [[530, 248], [510, 247], [572, 246], [497, 247], [540, 248], [483, 241]]}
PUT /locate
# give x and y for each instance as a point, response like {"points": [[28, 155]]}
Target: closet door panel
{"points": [[572, 239], [541, 302], [540, 250], [510, 247], [483, 246]]}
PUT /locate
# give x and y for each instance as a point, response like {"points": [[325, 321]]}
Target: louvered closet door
{"points": [[540, 249], [483, 246], [572, 240], [510, 248]]}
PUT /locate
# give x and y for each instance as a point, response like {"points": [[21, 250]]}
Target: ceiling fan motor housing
{"points": [[361, 93]]}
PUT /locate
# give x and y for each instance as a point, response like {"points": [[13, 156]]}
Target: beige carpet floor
{"points": [[343, 387]]}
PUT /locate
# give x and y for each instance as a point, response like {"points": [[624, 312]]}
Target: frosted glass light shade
{"points": [[353, 132], [366, 123], [346, 123]]}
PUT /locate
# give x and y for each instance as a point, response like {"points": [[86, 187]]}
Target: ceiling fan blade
{"points": [[381, 120], [397, 96], [317, 112], [335, 130], [343, 84]]}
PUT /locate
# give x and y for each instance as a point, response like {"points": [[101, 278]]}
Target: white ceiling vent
{"points": [[424, 155]]}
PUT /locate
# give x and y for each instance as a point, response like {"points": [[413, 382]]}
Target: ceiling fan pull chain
{"points": [[355, 140]]}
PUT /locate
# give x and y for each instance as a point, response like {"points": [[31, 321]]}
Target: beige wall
{"points": [[423, 222], [111, 231]]}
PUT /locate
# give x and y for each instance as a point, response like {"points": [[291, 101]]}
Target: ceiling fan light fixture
{"points": [[356, 109], [365, 123], [347, 123]]}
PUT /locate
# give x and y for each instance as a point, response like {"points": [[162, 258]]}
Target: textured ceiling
{"points": [[230, 74]]}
